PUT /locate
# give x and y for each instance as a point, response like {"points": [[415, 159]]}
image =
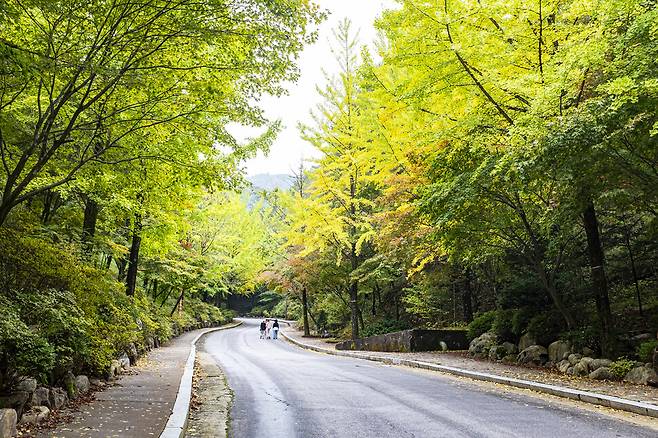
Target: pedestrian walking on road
{"points": [[275, 329], [263, 327], [268, 328]]}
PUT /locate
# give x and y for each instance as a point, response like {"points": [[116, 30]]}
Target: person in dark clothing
{"points": [[263, 326], [275, 329]]}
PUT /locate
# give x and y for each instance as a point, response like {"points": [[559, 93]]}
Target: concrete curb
{"points": [[177, 423], [574, 394]]}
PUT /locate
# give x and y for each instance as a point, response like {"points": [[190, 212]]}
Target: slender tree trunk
{"points": [[599, 282], [354, 308], [307, 329], [89, 224], [467, 298], [631, 258], [133, 257], [178, 301]]}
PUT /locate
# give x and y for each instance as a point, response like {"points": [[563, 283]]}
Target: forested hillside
{"points": [[492, 164], [119, 227]]}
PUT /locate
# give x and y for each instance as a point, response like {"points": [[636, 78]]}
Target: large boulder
{"points": [[559, 350], [132, 353], [526, 341], [15, 401], [124, 360], [481, 346], [82, 384], [70, 386], [602, 373], [581, 369], [40, 397], [563, 366], [36, 415], [27, 385], [115, 370], [595, 364], [534, 354], [574, 358], [641, 375], [8, 419], [57, 398], [586, 363]]}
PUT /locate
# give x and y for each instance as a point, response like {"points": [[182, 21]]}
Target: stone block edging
{"points": [[177, 423], [574, 394]]}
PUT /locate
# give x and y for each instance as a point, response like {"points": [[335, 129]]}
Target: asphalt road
{"points": [[283, 391]]}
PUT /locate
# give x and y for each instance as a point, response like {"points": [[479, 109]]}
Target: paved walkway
{"points": [[628, 391], [140, 403]]}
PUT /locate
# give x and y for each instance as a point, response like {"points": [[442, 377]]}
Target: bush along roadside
{"points": [[66, 327], [566, 354]]}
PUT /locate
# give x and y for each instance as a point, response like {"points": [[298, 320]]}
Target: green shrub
{"points": [[503, 325], [645, 350], [384, 326], [520, 320], [481, 324], [22, 351], [621, 367], [545, 327]]}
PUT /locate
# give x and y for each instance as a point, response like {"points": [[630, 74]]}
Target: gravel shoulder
{"points": [[211, 400]]}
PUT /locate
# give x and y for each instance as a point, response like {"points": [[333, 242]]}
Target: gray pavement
{"points": [[281, 390], [139, 405]]}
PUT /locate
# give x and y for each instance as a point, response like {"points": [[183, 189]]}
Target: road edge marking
{"points": [[622, 404], [177, 422]]}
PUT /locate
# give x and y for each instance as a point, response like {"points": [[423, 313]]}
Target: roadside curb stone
{"points": [[584, 396]]}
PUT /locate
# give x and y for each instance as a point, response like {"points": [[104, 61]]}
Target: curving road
{"points": [[283, 391]]}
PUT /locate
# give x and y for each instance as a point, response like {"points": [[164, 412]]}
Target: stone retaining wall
{"points": [[409, 341]]}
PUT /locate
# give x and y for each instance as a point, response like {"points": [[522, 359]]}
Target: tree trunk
{"points": [[467, 298], [89, 224], [178, 301], [133, 256], [307, 329], [354, 308], [631, 258], [599, 282]]}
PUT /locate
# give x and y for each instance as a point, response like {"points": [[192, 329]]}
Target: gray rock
{"points": [[588, 352], [28, 385], [40, 397], [641, 376], [563, 366], [599, 363], [569, 371], [57, 398], [510, 348], [443, 346], [36, 415], [480, 346], [526, 341], [581, 369], [497, 352], [510, 359], [124, 360], [574, 358], [602, 373], [8, 419], [587, 362], [15, 401], [132, 353], [643, 337], [559, 350], [115, 369], [70, 386], [82, 384], [534, 354], [150, 343]]}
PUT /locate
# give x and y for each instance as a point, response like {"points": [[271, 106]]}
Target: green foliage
{"points": [[384, 326], [545, 327], [621, 367], [503, 325], [481, 324], [645, 350]]}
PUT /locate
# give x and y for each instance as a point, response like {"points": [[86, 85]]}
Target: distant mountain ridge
{"points": [[270, 182]]}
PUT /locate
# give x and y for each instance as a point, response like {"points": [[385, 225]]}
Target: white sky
{"points": [[289, 148]]}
